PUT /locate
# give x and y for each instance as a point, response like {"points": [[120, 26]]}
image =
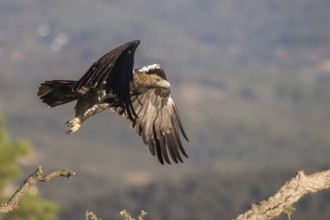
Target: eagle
{"points": [[142, 96]]}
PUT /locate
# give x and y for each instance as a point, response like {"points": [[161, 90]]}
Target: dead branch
{"points": [[37, 176], [287, 195]]}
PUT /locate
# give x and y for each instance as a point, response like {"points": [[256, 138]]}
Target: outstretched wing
{"points": [[159, 124], [113, 72]]}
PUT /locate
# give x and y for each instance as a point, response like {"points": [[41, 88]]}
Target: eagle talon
{"points": [[73, 125]]}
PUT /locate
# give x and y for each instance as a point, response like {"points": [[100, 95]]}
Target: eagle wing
{"points": [[158, 124], [112, 72]]}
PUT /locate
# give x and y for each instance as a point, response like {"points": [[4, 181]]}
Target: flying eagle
{"points": [[141, 95]]}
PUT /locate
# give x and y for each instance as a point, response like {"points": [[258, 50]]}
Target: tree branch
{"points": [[287, 195], [37, 176]]}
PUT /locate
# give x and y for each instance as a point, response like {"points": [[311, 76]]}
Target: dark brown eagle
{"points": [[141, 95]]}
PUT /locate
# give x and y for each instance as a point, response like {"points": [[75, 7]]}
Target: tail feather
{"points": [[57, 92]]}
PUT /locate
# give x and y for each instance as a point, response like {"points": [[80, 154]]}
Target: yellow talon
{"points": [[73, 125]]}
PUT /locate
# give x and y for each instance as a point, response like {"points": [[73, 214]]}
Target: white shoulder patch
{"points": [[146, 69]]}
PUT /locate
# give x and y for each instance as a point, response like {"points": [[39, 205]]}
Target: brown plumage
{"points": [[142, 96]]}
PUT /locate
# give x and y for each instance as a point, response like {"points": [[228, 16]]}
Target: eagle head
{"points": [[152, 76]]}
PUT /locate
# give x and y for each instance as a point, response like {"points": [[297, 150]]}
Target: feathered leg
{"points": [[88, 105]]}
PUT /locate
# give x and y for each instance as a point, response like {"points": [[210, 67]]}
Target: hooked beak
{"points": [[164, 84]]}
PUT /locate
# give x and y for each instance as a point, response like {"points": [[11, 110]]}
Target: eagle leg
{"points": [[73, 125]]}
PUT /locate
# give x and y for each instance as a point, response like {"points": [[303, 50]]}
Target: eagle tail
{"points": [[57, 92]]}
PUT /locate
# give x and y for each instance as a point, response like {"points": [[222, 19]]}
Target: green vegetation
{"points": [[31, 206]]}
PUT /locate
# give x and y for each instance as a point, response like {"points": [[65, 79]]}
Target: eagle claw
{"points": [[73, 125]]}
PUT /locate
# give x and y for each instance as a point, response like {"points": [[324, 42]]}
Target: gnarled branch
{"points": [[287, 195], [37, 176]]}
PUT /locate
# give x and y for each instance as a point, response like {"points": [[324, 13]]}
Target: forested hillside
{"points": [[251, 80]]}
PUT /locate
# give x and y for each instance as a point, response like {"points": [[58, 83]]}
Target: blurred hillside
{"points": [[212, 35], [251, 80]]}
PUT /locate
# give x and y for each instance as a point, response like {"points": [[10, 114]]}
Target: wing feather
{"points": [[112, 72], [159, 125], [160, 140]]}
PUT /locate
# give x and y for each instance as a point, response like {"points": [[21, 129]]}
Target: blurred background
{"points": [[251, 80]]}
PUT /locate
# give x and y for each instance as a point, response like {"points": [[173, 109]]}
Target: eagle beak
{"points": [[164, 84]]}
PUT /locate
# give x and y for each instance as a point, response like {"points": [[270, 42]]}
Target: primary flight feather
{"points": [[141, 95]]}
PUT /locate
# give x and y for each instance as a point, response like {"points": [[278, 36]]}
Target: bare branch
{"points": [[37, 176], [287, 195]]}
